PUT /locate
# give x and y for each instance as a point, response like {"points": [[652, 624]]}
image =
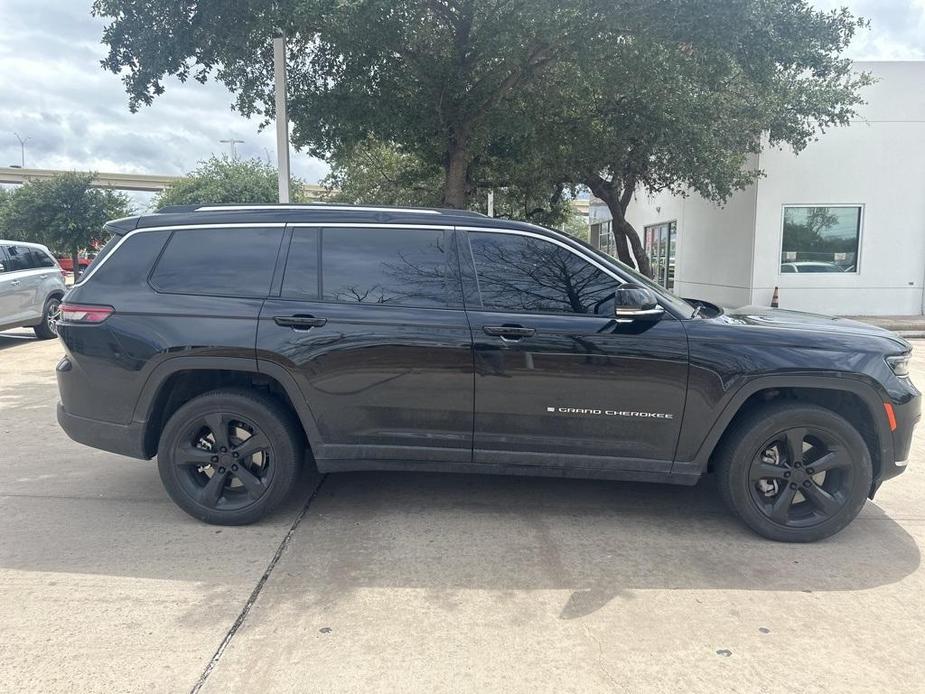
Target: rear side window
{"points": [[218, 262], [40, 258], [398, 267], [302, 279]]}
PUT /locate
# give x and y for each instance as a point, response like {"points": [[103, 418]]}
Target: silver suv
{"points": [[31, 287]]}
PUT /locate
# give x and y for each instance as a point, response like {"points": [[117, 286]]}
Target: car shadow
{"points": [[14, 339], [448, 532], [597, 539]]}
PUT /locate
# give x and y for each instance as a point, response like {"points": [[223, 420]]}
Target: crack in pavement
{"points": [[283, 545]]}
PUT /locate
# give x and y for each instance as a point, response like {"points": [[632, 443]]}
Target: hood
{"points": [[799, 320]]}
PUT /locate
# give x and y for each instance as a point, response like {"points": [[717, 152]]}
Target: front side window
{"points": [[820, 239], [526, 274], [397, 267], [218, 262], [18, 258]]}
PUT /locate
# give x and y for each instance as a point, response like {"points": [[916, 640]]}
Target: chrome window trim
{"points": [[370, 225]]}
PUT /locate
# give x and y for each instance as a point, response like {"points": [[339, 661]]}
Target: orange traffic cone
{"points": [[775, 298]]}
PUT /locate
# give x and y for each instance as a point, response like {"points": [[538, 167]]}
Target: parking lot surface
{"points": [[371, 582]]}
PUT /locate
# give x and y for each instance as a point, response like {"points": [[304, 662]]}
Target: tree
{"points": [[433, 76], [688, 108], [224, 180], [376, 173], [63, 212], [534, 96]]}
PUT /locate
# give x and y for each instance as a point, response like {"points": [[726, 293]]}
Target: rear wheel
{"points": [[795, 472], [229, 457], [48, 328]]}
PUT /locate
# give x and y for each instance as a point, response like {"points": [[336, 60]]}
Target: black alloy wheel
{"points": [[801, 477], [227, 461], [794, 471], [230, 456]]}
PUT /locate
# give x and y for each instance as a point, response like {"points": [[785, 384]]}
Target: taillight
{"points": [[81, 313]]}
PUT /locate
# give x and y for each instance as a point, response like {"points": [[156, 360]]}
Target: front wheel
{"points": [[230, 456], [795, 472]]}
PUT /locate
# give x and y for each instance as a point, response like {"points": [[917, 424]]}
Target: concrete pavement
{"points": [[421, 582]]}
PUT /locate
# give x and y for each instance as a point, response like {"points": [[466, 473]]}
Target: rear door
{"points": [[559, 382], [21, 285], [370, 323]]}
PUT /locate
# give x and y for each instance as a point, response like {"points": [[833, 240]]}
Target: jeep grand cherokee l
{"points": [[228, 340]]}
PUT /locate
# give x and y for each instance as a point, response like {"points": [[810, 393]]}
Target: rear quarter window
{"points": [[218, 262]]}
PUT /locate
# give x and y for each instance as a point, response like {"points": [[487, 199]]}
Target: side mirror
{"points": [[635, 301]]}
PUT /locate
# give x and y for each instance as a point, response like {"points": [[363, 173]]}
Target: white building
{"points": [[839, 228]]}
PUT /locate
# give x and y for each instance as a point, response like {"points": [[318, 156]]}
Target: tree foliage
{"points": [[225, 180], [64, 212], [531, 97]]}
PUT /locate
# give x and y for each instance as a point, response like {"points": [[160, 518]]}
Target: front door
{"points": [[371, 324], [559, 382]]}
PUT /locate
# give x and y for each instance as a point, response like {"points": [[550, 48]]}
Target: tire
{"points": [[231, 478], [827, 482], [46, 330]]}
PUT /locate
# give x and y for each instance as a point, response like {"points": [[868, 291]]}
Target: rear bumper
{"points": [[124, 439]]}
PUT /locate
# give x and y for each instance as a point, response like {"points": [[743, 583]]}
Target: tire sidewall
{"points": [[756, 431], [42, 331], [275, 423]]}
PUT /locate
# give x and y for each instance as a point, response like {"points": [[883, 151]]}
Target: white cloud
{"points": [[53, 90]]}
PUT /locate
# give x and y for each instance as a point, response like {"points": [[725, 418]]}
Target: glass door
{"points": [[660, 242]]}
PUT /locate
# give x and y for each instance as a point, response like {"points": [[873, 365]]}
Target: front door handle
{"points": [[508, 332], [15, 283], [299, 322]]}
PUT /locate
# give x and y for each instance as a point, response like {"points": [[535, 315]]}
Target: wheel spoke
{"points": [[780, 509], [829, 461], [253, 484], [212, 492], [219, 423], [190, 455], [795, 439], [821, 499], [252, 445], [761, 471]]}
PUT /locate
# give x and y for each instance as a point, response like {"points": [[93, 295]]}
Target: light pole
{"points": [[232, 142], [22, 149], [282, 117]]}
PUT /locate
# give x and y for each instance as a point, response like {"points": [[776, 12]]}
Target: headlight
{"points": [[900, 364]]}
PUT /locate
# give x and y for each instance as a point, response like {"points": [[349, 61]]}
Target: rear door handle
{"points": [[300, 322], [508, 332], [15, 283]]}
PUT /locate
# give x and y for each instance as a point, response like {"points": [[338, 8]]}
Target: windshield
{"points": [[678, 304]]}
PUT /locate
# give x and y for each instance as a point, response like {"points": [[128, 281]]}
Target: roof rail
{"points": [[273, 207]]}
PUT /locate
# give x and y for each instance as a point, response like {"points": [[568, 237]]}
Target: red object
{"points": [[83, 313], [68, 266], [890, 415]]}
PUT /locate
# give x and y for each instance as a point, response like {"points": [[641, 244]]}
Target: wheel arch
{"points": [[854, 399], [179, 379]]}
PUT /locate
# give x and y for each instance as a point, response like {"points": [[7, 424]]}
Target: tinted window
{"points": [[4, 261], [401, 267], [301, 278], [224, 262], [522, 273], [18, 258], [40, 258]]}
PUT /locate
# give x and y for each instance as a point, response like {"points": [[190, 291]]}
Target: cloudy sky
{"points": [[53, 91]]}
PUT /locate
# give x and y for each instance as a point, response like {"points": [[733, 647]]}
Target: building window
{"points": [[820, 239], [660, 241]]}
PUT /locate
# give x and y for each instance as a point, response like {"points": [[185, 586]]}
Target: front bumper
{"points": [[907, 416], [124, 439]]}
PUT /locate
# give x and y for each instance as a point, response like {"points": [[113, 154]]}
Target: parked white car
{"points": [[31, 287]]}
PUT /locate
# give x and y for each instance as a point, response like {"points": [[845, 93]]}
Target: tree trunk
{"points": [[457, 171], [75, 259], [626, 230]]}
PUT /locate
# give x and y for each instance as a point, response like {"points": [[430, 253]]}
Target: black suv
{"points": [[227, 340]]}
